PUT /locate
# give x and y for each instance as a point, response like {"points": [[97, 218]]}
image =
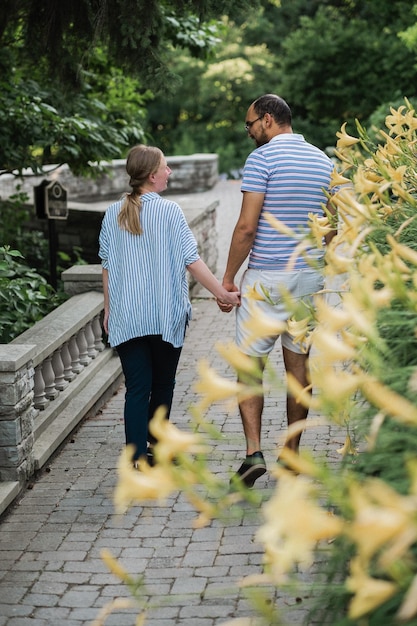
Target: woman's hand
{"points": [[228, 299]]}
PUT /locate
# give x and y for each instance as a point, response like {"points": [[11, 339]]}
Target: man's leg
{"points": [[251, 410], [251, 415], [297, 365]]}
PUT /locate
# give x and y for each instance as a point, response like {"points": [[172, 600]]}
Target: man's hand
{"points": [[229, 286]]}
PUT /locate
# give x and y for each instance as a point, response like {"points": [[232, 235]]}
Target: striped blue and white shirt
{"points": [[148, 287], [294, 175]]}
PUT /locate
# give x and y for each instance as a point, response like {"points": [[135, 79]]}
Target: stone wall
{"points": [[190, 174], [17, 412]]}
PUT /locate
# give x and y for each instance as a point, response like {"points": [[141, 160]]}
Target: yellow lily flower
{"points": [[118, 604], [345, 140], [238, 360], [297, 462], [333, 317], [301, 332], [348, 448], [281, 227], [302, 394], [349, 205], [338, 179], [319, 227], [369, 592], [215, 388], [384, 522], [400, 123], [114, 566], [335, 385], [372, 172], [361, 317], [377, 521], [391, 148], [403, 251], [253, 293], [331, 348], [337, 263], [389, 401], [294, 524], [364, 184], [171, 440], [154, 483], [260, 324]]}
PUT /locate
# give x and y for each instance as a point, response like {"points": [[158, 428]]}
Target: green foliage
{"points": [[31, 243], [25, 296], [41, 125], [14, 215], [76, 76], [332, 61], [208, 112]]}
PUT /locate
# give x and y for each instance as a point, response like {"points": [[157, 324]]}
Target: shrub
{"points": [[25, 296]]}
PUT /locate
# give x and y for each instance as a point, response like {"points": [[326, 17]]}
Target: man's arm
{"points": [[243, 236]]}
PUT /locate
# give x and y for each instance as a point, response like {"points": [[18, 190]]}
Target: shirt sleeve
{"points": [[255, 173], [188, 242], [104, 244]]}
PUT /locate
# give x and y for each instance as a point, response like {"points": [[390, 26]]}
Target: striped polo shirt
{"points": [[293, 175], [148, 287]]}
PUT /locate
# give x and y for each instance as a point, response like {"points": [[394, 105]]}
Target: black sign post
{"points": [[51, 204]]}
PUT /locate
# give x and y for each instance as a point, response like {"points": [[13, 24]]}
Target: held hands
{"points": [[230, 298]]}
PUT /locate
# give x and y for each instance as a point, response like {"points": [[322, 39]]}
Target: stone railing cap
{"points": [[15, 356]]}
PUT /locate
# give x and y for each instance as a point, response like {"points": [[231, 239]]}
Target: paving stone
{"points": [[52, 615], [78, 598], [41, 599]]}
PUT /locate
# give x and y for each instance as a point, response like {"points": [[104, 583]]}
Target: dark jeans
{"points": [[149, 365]]}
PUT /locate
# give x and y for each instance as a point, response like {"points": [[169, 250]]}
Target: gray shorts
{"points": [[300, 284]]}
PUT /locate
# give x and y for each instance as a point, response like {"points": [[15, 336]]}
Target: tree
{"points": [[332, 60], [208, 111], [349, 69], [57, 58]]}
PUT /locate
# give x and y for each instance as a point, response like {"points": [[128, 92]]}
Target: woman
{"points": [[146, 247]]}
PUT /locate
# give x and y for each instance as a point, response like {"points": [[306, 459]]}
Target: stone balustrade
{"points": [[51, 377]]}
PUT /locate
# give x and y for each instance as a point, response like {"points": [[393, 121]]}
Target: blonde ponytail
{"points": [[140, 163], [128, 217]]}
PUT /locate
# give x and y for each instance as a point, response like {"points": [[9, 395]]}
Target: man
{"points": [[287, 177]]}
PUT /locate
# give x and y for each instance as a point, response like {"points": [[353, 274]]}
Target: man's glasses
{"points": [[249, 125]]}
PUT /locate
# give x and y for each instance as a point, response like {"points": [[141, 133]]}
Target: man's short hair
{"points": [[275, 106]]}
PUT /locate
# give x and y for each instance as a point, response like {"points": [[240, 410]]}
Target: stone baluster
{"points": [[76, 365], [90, 339], [51, 391], [40, 401], [58, 367], [69, 375], [83, 348], [98, 334]]}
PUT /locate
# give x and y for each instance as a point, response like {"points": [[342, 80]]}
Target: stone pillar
{"points": [[17, 413], [81, 278]]}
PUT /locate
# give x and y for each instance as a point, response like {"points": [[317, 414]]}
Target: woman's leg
{"points": [[136, 360], [165, 360]]}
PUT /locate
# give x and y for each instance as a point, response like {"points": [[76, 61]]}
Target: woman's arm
{"points": [[105, 279], [203, 274]]}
